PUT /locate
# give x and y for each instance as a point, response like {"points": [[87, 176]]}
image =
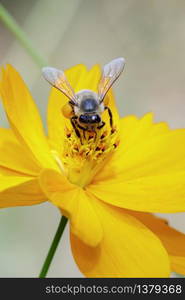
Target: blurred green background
{"points": [[151, 37]]}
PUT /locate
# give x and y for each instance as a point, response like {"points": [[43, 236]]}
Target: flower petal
{"points": [[147, 172], [178, 264], [24, 117], [162, 193], [19, 191], [75, 205], [135, 135], [128, 248], [153, 155], [13, 157], [173, 240]]}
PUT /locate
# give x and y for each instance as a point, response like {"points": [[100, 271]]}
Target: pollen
{"points": [[83, 157]]}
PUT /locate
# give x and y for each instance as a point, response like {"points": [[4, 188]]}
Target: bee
{"points": [[85, 107]]}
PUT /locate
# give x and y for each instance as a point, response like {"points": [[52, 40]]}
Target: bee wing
{"points": [[110, 73], [58, 79]]}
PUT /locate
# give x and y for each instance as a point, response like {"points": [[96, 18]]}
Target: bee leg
{"points": [[101, 126], [110, 116], [95, 135], [74, 124], [83, 128]]}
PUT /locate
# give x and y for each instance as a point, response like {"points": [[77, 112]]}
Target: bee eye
{"points": [[89, 119], [95, 119], [83, 119]]}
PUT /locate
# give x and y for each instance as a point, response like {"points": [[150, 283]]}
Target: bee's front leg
{"points": [[75, 124], [83, 128], [102, 125], [110, 115]]}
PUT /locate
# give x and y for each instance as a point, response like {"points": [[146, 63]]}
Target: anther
{"points": [[116, 144], [103, 135], [91, 135], [68, 132], [113, 130]]}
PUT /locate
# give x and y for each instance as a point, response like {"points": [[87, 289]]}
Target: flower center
{"points": [[83, 157]]}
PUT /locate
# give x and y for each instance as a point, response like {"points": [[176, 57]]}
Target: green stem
{"points": [[21, 36], [53, 247]]}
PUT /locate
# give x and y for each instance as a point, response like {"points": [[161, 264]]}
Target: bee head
{"points": [[89, 119]]}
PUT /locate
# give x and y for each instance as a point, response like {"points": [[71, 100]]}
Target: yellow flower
{"points": [[107, 186]]}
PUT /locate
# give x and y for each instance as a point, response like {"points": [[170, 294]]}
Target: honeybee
{"points": [[85, 107]]}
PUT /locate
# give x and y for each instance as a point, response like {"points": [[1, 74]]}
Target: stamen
{"points": [[87, 153], [58, 160], [113, 130], [103, 135]]}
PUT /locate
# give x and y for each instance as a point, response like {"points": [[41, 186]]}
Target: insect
{"points": [[85, 107]]}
